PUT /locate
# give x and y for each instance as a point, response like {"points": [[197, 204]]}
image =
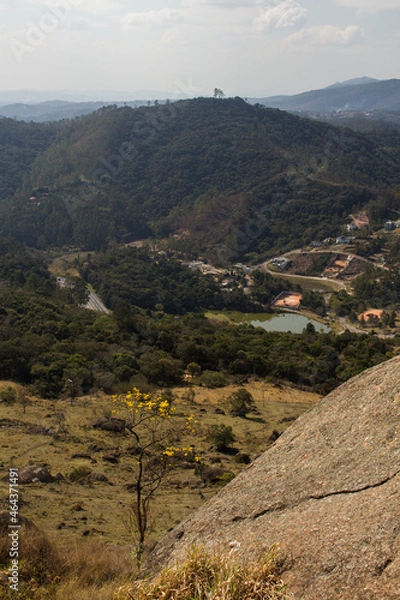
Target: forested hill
{"points": [[220, 173], [20, 144]]}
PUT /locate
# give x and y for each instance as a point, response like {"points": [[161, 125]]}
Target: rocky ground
{"points": [[327, 492]]}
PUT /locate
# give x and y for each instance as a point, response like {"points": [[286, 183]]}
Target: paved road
{"points": [[94, 303], [338, 284]]}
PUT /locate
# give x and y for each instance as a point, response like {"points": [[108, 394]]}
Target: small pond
{"points": [[277, 321], [286, 322]]}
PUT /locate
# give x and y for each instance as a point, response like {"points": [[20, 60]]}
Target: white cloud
{"points": [[223, 3], [97, 7], [328, 34], [370, 5], [281, 14], [80, 24], [152, 18]]}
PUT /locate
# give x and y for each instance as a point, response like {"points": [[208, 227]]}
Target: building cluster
{"points": [[282, 263], [391, 225], [344, 239]]}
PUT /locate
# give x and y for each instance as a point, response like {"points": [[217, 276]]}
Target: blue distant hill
{"points": [[356, 95]]}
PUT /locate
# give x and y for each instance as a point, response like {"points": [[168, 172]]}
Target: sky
{"points": [[186, 48]]}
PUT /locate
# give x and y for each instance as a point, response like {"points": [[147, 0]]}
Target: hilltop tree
{"points": [[218, 93]]}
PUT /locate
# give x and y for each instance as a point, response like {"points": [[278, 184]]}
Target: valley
{"points": [[146, 256]]}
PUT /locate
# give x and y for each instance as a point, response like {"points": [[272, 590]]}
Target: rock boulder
{"points": [[114, 425], [35, 474], [327, 492]]}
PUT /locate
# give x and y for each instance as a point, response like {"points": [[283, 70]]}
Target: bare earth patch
{"points": [[368, 314], [287, 300], [361, 220]]}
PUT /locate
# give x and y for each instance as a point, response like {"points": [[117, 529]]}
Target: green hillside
{"points": [[229, 178]]}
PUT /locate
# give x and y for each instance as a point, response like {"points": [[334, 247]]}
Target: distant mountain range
{"points": [[361, 95], [34, 96], [356, 95], [356, 81], [56, 110]]}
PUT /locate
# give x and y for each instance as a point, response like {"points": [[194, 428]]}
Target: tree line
{"points": [[48, 341]]}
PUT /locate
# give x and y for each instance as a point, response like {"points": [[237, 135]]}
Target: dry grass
{"points": [[89, 569], [105, 511], [93, 562], [206, 577], [63, 265], [86, 563]]}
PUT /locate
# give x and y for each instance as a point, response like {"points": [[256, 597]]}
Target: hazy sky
{"points": [[189, 47]]}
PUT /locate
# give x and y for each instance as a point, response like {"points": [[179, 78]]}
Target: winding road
{"points": [[94, 303]]}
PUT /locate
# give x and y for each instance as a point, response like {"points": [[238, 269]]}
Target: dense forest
{"points": [[51, 344], [156, 281], [20, 145], [217, 176]]}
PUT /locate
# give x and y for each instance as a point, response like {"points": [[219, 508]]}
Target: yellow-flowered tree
{"points": [[149, 420]]}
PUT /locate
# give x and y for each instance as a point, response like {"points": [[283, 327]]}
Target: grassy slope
{"points": [[105, 506]]}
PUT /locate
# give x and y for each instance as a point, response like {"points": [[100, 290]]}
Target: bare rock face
{"points": [[113, 424], [35, 474], [327, 492]]}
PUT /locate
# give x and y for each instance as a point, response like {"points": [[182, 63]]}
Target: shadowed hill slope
{"points": [[225, 177], [328, 492]]}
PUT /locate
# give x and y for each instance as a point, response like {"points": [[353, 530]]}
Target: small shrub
{"points": [[23, 401], [190, 396], [193, 369], [226, 477], [211, 475], [8, 396], [241, 402], [212, 379], [242, 458], [221, 436]]}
